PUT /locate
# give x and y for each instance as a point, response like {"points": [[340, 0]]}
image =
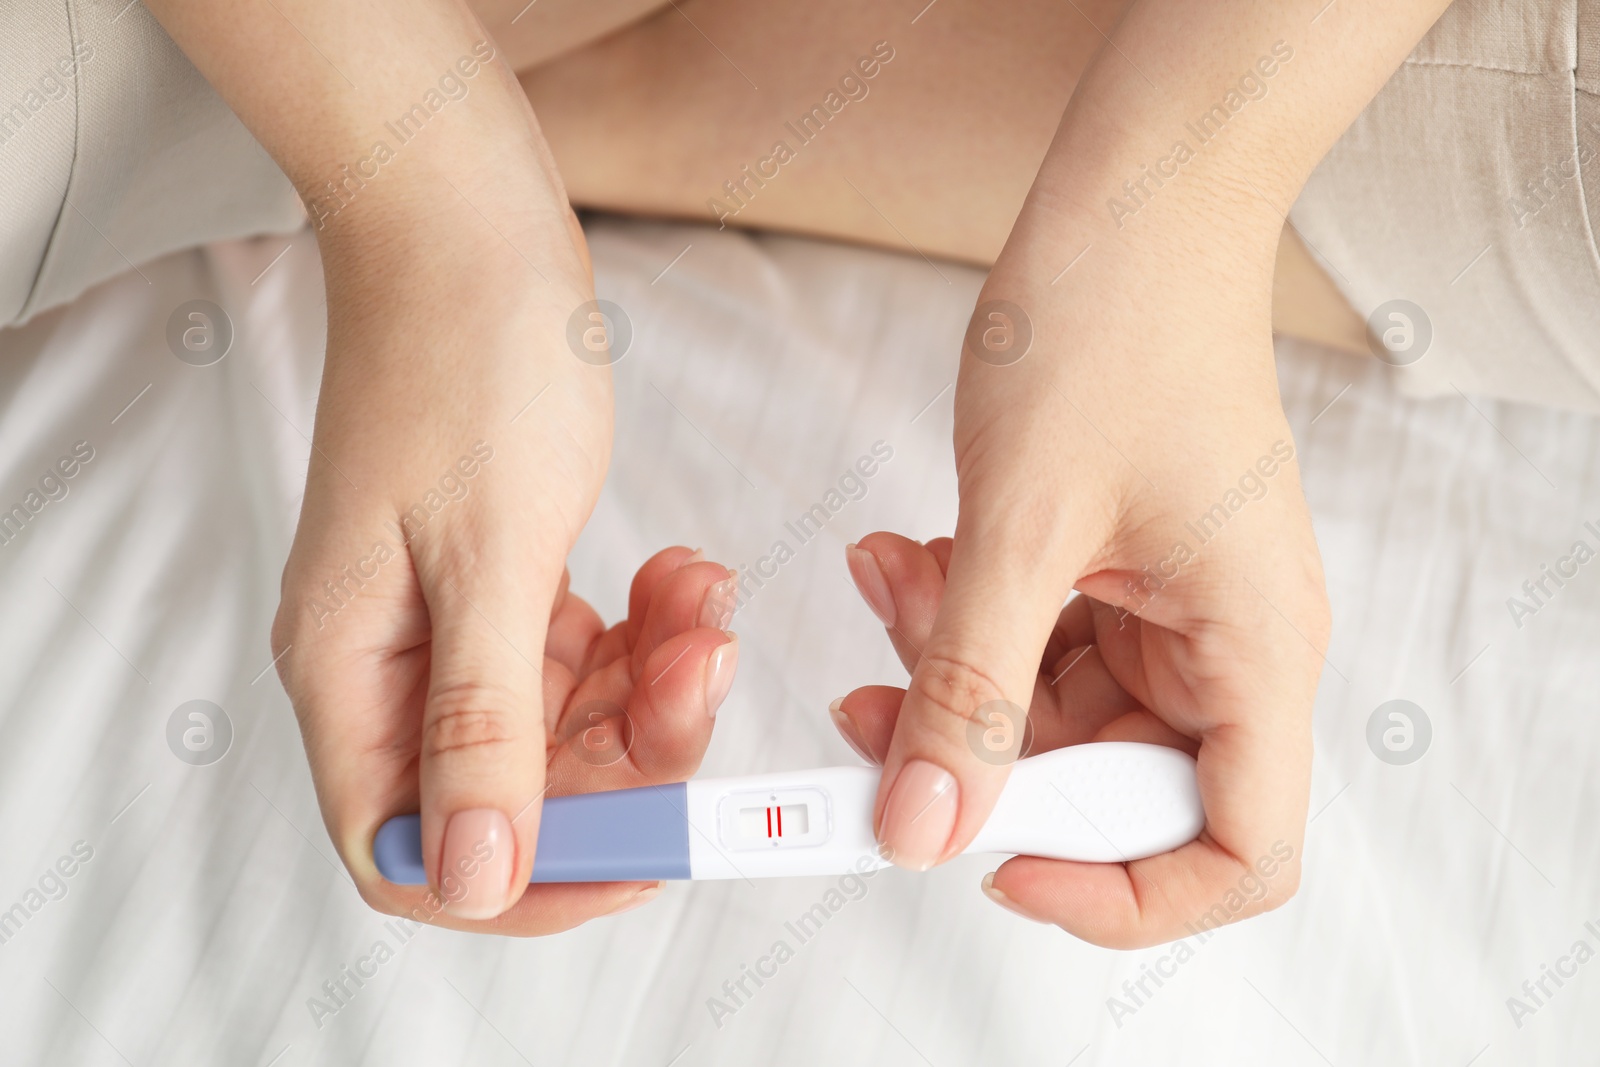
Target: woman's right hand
{"points": [[426, 638], [462, 433]]}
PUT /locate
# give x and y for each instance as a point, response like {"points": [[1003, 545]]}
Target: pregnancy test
{"points": [[1105, 802]]}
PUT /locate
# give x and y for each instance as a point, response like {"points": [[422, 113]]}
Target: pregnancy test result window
{"points": [[774, 819], [769, 821]]}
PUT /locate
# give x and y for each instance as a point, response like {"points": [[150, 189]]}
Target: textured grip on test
{"points": [[626, 835]]}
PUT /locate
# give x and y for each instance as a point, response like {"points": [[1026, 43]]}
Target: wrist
{"points": [[448, 314], [1198, 175], [1115, 207], [431, 222], [1195, 253]]}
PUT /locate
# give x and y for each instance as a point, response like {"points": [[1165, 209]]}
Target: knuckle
{"points": [[293, 635], [950, 691], [283, 633], [1260, 894], [290, 668], [1309, 592], [469, 717]]}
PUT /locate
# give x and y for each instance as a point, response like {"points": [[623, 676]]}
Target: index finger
{"points": [[1254, 784]]}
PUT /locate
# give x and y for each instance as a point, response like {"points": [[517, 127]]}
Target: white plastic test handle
{"points": [[1104, 802]]}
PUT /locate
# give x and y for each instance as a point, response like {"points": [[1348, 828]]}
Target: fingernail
{"points": [[920, 815], [694, 557], [1007, 903], [716, 610], [639, 899], [475, 869], [847, 730], [719, 673], [869, 579]]}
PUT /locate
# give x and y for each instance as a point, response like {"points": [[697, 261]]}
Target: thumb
{"points": [[964, 716], [483, 738]]}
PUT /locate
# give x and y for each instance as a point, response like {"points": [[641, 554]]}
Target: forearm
{"points": [[397, 123], [1196, 126]]}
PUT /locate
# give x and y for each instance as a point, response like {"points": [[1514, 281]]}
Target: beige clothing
{"points": [[114, 151], [1468, 187], [1471, 187]]}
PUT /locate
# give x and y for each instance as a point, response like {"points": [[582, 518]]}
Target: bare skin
{"points": [[448, 678], [645, 117]]}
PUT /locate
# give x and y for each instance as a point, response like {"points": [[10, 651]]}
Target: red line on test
{"points": [[780, 822], [769, 822]]}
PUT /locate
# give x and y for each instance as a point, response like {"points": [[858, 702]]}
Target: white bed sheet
{"points": [[212, 909]]}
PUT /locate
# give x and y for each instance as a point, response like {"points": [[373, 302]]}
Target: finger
{"points": [[620, 734], [1077, 702], [902, 583], [1254, 782], [1149, 902], [1067, 708], [362, 774], [697, 595], [1097, 710], [1003, 593], [1074, 629], [912, 586], [865, 719], [661, 738], [669, 597], [675, 702], [359, 706], [648, 578], [543, 909], [363, 778], [483, 726], [620, 638], [574, 628], [1253, 768], [607, 648], [556, 691], [553, 907], [1145, 728], [676, 591]]}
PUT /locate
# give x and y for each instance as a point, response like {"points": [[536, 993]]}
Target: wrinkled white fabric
{"points": [[212, 909]]}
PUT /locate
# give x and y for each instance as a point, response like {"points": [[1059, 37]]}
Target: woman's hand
{"points": [[1118, 431], [613, 708], [463, 431], [1136, 452], [427, 640]]}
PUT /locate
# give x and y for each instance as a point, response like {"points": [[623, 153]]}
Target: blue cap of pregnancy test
{"points": [[625, 835]]}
